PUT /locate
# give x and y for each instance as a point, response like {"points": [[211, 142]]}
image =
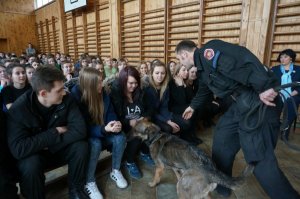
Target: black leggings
{"points": [[132, 148]]}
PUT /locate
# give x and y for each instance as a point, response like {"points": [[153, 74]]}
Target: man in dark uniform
{"points": [[228, 70]]}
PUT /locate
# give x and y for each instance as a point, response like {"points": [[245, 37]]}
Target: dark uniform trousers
{"points": [[258, 147], [33, 167]]}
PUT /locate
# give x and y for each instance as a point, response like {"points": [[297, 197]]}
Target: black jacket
{"points": [[4, 151], [224, 68], [29, 134], [120, 104], [180, 97]]}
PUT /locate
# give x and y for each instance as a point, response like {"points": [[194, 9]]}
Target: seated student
{"points": [[31, 59], [4, 80], [100, 67], [51, 61], [114, 65], [288, 72], [19, 85], [103, 127], [143, 69], [158, 93], [35, 64], [108, 68], [171, 68], [45, 128], [121, 64], [22, 60], [29, 72], [8, 169], [68, 70], [131, 105], [180, 98]]}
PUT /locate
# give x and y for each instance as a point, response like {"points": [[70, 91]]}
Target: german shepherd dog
{"points": [[195, 171]]}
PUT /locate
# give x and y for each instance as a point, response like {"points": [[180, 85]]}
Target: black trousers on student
{"points": [[8, 178], [33, 167], [133, 147], [8, 169], [258, 147]]}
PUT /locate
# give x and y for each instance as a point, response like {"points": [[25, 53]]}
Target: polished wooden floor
{"points": [[289, 162]]}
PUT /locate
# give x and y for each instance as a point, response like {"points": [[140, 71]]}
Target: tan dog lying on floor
{"points": [[196, 173]]}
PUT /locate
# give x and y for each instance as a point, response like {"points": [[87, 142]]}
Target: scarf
{"points": [[285, 79]]}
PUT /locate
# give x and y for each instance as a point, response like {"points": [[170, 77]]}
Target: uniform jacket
{"points": [[224, 68], [28, 134], [109, 113], [295, 75]]}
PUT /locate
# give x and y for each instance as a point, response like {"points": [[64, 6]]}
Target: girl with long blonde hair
{"points": [[103, 127], [158, 94]]}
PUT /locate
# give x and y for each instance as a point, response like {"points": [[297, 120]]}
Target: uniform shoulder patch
{"points": [[209, 53]]}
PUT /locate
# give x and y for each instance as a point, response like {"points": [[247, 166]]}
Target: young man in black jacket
{"points": [[8, 170], [228, 70], [45, 128]]}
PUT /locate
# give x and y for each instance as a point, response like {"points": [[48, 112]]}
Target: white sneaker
{"points": [[93, 191], [117, 176]]}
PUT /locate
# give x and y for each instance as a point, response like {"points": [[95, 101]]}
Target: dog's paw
{"points": [[152, 184]]}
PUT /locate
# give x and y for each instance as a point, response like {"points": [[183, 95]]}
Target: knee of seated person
{"points": [[119, 138], [96, 142], [30, 165], [79, 148]]}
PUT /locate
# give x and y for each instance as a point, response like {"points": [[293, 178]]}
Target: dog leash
{"points": [[261, 108]]}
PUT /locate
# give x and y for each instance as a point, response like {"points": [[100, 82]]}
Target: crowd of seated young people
{"points": [[73, 128]]}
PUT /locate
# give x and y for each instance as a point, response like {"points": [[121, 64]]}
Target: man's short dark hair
{"points": [[187, 45], [44, 78]]}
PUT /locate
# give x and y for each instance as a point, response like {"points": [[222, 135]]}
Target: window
{"points": [[40, 3]]}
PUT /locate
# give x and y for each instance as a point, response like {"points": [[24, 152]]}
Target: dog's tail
{"points": [[231, 182]]}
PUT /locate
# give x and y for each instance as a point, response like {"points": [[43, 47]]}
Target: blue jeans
{"points": [[118, 142]]}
